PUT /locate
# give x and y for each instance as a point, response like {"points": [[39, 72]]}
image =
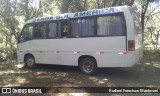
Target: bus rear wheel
{"points": [[30, 61], [88, 66]]}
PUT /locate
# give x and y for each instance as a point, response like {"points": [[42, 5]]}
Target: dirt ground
{"points": [[144, 74]]}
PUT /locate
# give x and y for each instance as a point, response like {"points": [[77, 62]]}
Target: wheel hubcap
{"points": [[30, 62], [87, 67]]}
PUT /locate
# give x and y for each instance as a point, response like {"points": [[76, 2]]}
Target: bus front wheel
{"points": [[30, 61], [88, 66]]}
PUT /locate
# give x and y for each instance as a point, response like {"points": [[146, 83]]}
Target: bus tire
{"points": [[88, 65], [30, 61]]}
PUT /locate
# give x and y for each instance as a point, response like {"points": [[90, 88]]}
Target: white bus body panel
{"points": [[61, 51]]}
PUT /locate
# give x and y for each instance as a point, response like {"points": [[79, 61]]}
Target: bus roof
{"points": [[79, 14]]}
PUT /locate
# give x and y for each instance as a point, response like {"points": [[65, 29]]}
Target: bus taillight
{"points": [[131, 45]]}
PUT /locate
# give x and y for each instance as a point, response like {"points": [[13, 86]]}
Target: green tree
{"points": [[66, 6], [122, 2], [142, 7]]}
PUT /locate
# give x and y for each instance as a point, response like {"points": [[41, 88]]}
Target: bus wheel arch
{"points": [[29, 60], [87, 64]]}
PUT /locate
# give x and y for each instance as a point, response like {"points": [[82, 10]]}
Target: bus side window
{"points": [[53, 30], [64, 30], [83, 27], [27, 34], [40, 31], [111, 26]]}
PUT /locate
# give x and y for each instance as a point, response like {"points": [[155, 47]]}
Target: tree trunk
{"points": [[27, 15], [114, 2], [104, 3], [85, 5], [119, 2], [131, 3], [98, 4], [157, 39], [143, 13]]}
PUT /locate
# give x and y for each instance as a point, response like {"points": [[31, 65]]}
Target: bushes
{"points": [[6, 54], [157, 53], [3, 56], [152, 54]]}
